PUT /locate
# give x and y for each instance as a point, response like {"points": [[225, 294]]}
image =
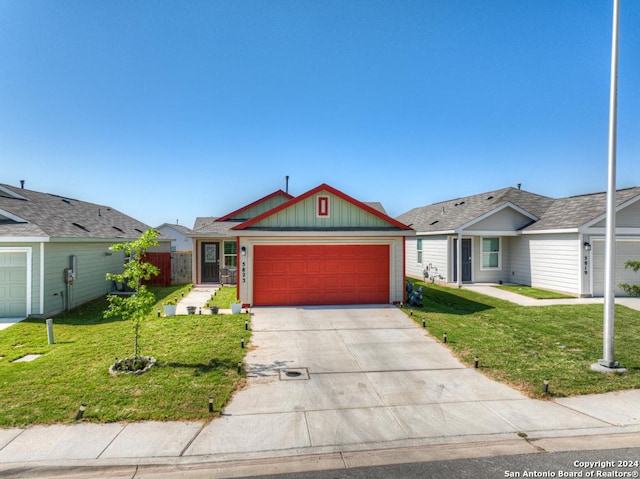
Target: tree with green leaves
{"points": [[631, 289], [138, 305]]}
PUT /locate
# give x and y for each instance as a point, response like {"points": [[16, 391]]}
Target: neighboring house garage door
{"points": [[625, 251], [13, 284], [320, 274]]}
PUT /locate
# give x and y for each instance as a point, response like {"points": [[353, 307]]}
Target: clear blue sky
{"points": [[170, 110]]}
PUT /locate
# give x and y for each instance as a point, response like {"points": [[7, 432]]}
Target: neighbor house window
{"points": [[491, 255], [419, 250], [230, 257]]}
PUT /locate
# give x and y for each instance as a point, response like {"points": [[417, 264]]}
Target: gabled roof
{"points": [[576, 211], [257, 207], [211, 226], [32, 214], [179, 228], [323, 188], [453, 214]]}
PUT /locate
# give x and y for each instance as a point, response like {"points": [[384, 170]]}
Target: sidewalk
{"points": [[373, 389]]}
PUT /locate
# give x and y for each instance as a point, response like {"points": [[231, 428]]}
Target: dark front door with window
{"points": [[466, 259], [210, 262]]}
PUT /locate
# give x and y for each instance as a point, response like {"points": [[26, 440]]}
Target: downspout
{"points": [[41, 278], [459, 262]]}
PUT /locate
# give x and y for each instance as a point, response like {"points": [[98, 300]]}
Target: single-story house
{"points": [[178, 234], [54, 251], [322, 247], [514, 236]]}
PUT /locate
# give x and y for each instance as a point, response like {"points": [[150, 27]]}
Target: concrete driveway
{"points": [[366, 377]]}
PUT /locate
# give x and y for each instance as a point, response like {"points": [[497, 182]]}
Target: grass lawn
{"points": [[534, 292], [197, 356], [520, 346]]}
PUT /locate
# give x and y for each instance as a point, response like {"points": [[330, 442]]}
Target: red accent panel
{"points": [[320, 274], [163, 262]]}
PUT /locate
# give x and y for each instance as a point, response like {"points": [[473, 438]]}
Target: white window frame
{"points": [[419, 251], [482, 254], [225, 255]]}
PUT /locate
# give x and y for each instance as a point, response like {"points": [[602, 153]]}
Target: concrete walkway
{"points": [[333, 388], [491, 290]]}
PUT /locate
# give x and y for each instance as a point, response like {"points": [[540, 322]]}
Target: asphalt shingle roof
{"points": [[209, 226], [562, 213], [449, 215], [47, 215]]}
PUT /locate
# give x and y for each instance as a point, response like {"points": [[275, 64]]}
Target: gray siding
{"points": [[506, 219], [547, 261], [93, 264], [626, 218], [491, 275], [434, 258]]}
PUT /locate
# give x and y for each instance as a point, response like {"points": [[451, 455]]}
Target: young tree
{"points": [[631, 289], [138, 305]]}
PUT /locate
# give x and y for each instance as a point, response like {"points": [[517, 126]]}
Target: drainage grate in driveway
{"points": [[291, 374]]}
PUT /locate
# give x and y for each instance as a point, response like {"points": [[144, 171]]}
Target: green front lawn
{"points": [[197, 356], [535, 293], [521, 345]]}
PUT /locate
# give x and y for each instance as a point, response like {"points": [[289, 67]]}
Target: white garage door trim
{"points": [[622, 275], [29, 256]]}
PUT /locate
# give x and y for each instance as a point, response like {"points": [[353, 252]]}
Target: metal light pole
{"points": [[607, 363]]}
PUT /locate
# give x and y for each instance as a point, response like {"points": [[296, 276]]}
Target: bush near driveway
{"points": [[520, 345], [197, 356]]}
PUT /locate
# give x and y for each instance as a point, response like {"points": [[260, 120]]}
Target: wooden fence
{"points": [[181, 267]]}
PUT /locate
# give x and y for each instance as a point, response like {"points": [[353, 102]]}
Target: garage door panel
{"points": [[625, 251], [13, 284], [322, 274]]}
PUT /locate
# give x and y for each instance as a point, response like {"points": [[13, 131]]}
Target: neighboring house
{"points": [[178, 234], [322, 247], [54, 251], [514, 236]]}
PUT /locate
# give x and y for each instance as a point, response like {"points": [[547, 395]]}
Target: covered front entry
{"points": [[320, 274], [13, 284], [466, 259]]}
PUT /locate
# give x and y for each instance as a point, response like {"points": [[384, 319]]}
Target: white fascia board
{"points": [[24, 239], [555, 231], [490, 233], [619, 231], [11, 216], [621, 206], [436, 233], [477, 219], [96, 240]]}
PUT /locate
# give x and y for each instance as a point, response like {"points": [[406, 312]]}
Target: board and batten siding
{"points": [[93, 262], [547, 261], [342, 214]]}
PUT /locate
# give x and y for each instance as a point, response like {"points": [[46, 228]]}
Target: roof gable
{"points": [[455, 214], [257, 207], [322, 208]]}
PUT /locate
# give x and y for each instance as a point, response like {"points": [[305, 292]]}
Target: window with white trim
{"points": [[230, 254], [491, 254], [419, 250]]}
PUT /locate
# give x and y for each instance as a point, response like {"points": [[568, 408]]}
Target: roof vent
{"points": [[490, 197], [66, 200], [80, 226], [118, 229], [22, 184], [433, 222]]}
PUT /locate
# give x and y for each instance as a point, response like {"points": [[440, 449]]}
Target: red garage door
{"points": [[327, 274]]}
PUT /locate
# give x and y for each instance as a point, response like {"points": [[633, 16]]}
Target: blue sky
{"points": [[170, 110]]}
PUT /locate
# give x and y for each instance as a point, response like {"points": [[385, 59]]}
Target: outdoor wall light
{"points": [[243, 251], [587, 246]]}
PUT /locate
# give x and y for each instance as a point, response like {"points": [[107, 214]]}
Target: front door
{"points": [[466, 259], [210, 262]]}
